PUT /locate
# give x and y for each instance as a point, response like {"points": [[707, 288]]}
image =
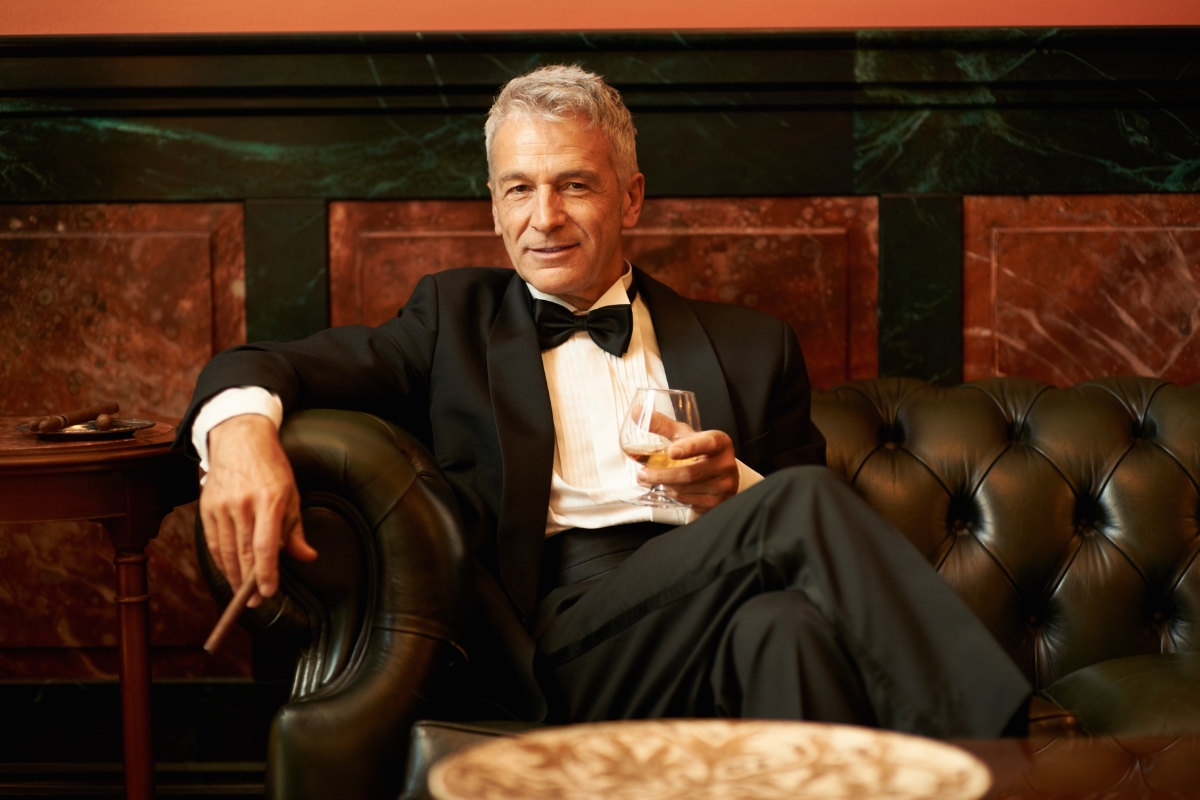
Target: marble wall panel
{"points": [[810, 261], [57, 615], [379, 250], [100, 302], [1066, 288], [115, 302]]}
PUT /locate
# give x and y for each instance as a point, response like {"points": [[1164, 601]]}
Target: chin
{"points": [[555, 280]]}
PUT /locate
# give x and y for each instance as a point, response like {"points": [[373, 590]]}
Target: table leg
{"points": [[133, 600]]}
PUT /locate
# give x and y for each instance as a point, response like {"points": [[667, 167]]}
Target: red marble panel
{"points": [[1066, 288], [810, 261], [379, 250], [116, 302], [121, 302], [59, 619]]}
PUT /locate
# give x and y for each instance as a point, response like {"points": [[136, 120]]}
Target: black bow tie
{"points": [[611, 327]]}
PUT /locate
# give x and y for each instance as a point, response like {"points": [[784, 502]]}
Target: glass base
{"points": [[656, 498]]}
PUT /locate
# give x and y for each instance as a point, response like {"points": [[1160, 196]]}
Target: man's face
{"points": [[558, 204]]}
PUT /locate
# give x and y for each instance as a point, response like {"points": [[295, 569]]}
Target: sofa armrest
{"points": [[379, 615]]}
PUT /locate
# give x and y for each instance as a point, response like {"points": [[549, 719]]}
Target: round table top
{"points": [[710, 758], [22, 451]]}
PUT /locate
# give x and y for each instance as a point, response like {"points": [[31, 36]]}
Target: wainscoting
{"points": [[940, 204]]}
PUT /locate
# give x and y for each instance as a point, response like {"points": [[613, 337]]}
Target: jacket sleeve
{"points": [[794, 440], [383, 370]]}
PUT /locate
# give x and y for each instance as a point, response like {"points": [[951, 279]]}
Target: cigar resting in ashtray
{"points": [[56, 422], [230, 614]]}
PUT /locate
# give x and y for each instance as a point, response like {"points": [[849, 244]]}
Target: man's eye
{"points": [[518, 190], [577, 186]]}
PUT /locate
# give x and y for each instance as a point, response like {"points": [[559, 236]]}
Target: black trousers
{"points": [[793, 600]]}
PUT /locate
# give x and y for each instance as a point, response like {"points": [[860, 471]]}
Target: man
{"points": [[783, 596]]}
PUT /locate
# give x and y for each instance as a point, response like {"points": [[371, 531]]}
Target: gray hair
{"points": [[560, 92]]}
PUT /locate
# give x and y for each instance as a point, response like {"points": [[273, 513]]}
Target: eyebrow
{"points": [[577, 173]]}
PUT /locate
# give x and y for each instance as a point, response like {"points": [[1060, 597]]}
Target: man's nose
{"points": [[548, 211]]}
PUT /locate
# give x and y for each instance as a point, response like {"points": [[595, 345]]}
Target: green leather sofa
{"points": [[1067, 518]]}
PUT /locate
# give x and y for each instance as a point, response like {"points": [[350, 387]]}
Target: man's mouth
{"points": [[549, 251]]}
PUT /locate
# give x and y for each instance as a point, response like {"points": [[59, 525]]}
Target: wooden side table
{"points": [[128, 486]]}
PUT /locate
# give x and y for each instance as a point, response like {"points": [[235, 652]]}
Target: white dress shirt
{"points": [[590, 392]]}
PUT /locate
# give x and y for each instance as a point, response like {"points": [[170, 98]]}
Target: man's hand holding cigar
{"points": [[250, 506]]}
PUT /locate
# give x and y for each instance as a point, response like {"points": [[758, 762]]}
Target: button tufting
{"points": [[1093, 526]]}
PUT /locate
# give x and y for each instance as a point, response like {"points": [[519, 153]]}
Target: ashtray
{"points": [[122, 428]]}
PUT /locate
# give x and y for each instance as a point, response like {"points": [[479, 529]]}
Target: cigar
{"points": [[56, 422], [230, 615], [103, 422]]}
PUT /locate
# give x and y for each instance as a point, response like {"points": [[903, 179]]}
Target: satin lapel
{"points": [[688, 356], [525, 426]]}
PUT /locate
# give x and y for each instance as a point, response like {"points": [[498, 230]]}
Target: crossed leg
{"points": [[691, 624]]}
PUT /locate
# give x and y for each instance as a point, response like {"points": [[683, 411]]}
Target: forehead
{"points": [[522, 145]]}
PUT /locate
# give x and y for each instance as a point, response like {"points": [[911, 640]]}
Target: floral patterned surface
{"points": [[728, 759]]}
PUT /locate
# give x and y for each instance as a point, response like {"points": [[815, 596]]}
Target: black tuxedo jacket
{"points": [[460, 368]]}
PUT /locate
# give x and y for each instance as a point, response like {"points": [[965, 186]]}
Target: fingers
{"points": [[242, 523], [289, 535], [704, 483], [250, 505], [265, 542], [704, 443], [668, 427], [221, 535], [713, 451], [696, 472], [296, 545]]}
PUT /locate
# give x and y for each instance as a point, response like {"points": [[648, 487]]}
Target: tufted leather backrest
{"points": [[1067, 519]]}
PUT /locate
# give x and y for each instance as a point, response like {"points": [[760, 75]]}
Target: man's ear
{"points": [[495, 211], [635, 194]]}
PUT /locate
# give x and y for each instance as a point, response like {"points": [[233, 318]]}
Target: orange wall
{"points": [[33, 17]]}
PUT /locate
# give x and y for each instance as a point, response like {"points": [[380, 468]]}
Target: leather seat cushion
{"points": [[1148, 695]]}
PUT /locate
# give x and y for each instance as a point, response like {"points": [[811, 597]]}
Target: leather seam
{"points": [[1178, 463]]}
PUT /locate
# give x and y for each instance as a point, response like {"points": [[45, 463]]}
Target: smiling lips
{"points": [[553, 250]]}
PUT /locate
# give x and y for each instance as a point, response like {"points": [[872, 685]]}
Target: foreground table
{"points": [[709, 758], [775, 760], [128, 486]]}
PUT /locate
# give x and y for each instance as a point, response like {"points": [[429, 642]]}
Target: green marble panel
{"points": [[221, 157], [394, 156], [1019, 151], [399, 116], [1019, 111], [287, 269], [920, 287], [745, 153]]}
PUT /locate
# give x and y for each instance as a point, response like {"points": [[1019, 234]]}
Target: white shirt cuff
{"points": [[746, 477], [227, 405]]}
